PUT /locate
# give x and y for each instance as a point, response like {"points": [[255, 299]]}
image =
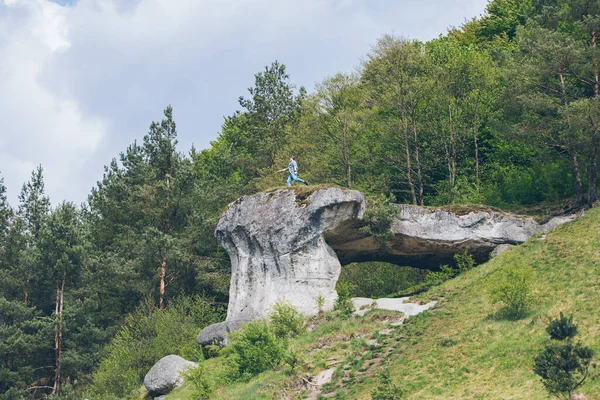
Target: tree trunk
{"points": [[26, 295], [58, 336], [163, 259], [596, 66], [418, 161], [346, 156], [574, 159], [411, 186], [592, 195], [452, 160], [475, 122], [578, 183], [163, 275], [348, 174]]}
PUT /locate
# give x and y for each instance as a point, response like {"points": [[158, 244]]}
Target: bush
{"points": [[379, 216], [445, 273], [464, 261], [202, 386], [563, 365], [562, 328], [254, 349], [386, 389], [320, 300], [145, 338], [511, 287], [286, 321], [344, 304]]}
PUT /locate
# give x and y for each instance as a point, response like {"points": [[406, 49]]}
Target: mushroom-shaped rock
{"points": [[277, 249], [290, 245], [167, 374], [217, 333]]}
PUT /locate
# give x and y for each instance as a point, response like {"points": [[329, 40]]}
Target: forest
{"points": [[501, 111]]}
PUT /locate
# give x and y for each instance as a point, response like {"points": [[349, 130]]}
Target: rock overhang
{"points": [[285, 246]]}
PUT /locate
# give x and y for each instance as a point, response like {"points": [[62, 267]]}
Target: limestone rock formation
{"points": [[288, 246], [166, 374], [277, 249]]}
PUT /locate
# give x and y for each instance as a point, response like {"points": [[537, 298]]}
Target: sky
{"points": [[80, 80]]}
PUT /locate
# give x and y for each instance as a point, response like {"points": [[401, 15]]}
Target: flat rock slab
{"points": [[364, 304], [427, 238], [167, 374]]}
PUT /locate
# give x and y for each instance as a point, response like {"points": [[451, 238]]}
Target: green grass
{"points": [[461, 349]]}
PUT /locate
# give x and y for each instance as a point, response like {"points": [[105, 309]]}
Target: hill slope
{"points": [[460, 349]]}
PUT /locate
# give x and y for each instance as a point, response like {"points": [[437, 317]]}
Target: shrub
{"points": [[379, 216], [286, 321], [344, 304], [464, 261], [320, 300], [145, 338], [254, 349], [386, 389], [445, 273], [563, 365], [202, 386], [511, 287], [562, 328], [293, 359]]}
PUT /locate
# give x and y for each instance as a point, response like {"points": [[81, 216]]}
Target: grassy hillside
{"points": [[460, 349]]}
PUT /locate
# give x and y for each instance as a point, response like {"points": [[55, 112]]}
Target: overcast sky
{"points": [[82, 79]]}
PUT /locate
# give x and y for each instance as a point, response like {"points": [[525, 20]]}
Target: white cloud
{"points": [[39, 125], [81, 82]]}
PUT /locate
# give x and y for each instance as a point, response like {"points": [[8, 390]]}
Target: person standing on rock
{"points": [[293, 170]]}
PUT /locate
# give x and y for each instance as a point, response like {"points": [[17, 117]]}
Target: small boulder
{"points": [[579, 396], [166, 374], [217, 333], [501, 249]]}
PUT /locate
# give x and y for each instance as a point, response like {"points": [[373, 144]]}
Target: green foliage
{"points": [[201, 384], [435, 278], [386, 388], [563, 366], [562, 328], [464, 261], [511, 287], [25, 345], [343, 304], [272, 107], [377, 279], [285, 320], [148, 335], [379, 216], [293, 359], [320, 302], [254, 349]]}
